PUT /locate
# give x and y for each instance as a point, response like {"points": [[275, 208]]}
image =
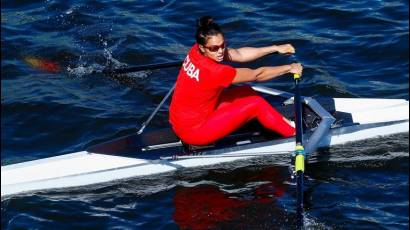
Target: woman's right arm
{"points": [[246, 54], [265, 73]]}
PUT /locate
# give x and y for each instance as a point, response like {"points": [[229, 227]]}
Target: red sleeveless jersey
{"points": [[199, 84]]}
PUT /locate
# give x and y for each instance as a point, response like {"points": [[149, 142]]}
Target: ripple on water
{"points": [[348, 49]]}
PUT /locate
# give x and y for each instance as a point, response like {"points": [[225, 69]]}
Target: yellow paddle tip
{"points": [[300, 163]]}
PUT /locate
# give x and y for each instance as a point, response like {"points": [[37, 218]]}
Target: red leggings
{"points": [[236, 107]]}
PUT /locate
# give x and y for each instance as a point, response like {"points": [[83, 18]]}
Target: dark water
{"points": [[348, 48]]}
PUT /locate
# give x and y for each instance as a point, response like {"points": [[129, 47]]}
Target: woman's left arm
{"points": [[246, 54]]}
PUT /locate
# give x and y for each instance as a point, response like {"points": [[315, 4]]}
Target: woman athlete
{"points": [[202, 109]]}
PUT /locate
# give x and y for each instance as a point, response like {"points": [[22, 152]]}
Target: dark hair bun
{"points": [[206, 27], [205, 21]]}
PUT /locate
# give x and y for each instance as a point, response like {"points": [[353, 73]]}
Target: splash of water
{"points": [[84, 68], [309, 222]]}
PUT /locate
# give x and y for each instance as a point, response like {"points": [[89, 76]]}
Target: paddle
{"points": [[54, 67], [110, 71], [299, 151], [50, 66]]}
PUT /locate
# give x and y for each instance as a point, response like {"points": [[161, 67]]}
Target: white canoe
{"points": [[154, 152]]}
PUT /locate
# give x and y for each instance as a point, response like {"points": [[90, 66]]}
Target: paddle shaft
{"points": [[299, 152], [141, 68], [145, 124], [298, 113]]}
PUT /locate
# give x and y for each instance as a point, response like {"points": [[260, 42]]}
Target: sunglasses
{"points": [[216, 48]]}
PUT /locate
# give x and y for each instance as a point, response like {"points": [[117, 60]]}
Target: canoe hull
{"points": [[141, 155]]}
